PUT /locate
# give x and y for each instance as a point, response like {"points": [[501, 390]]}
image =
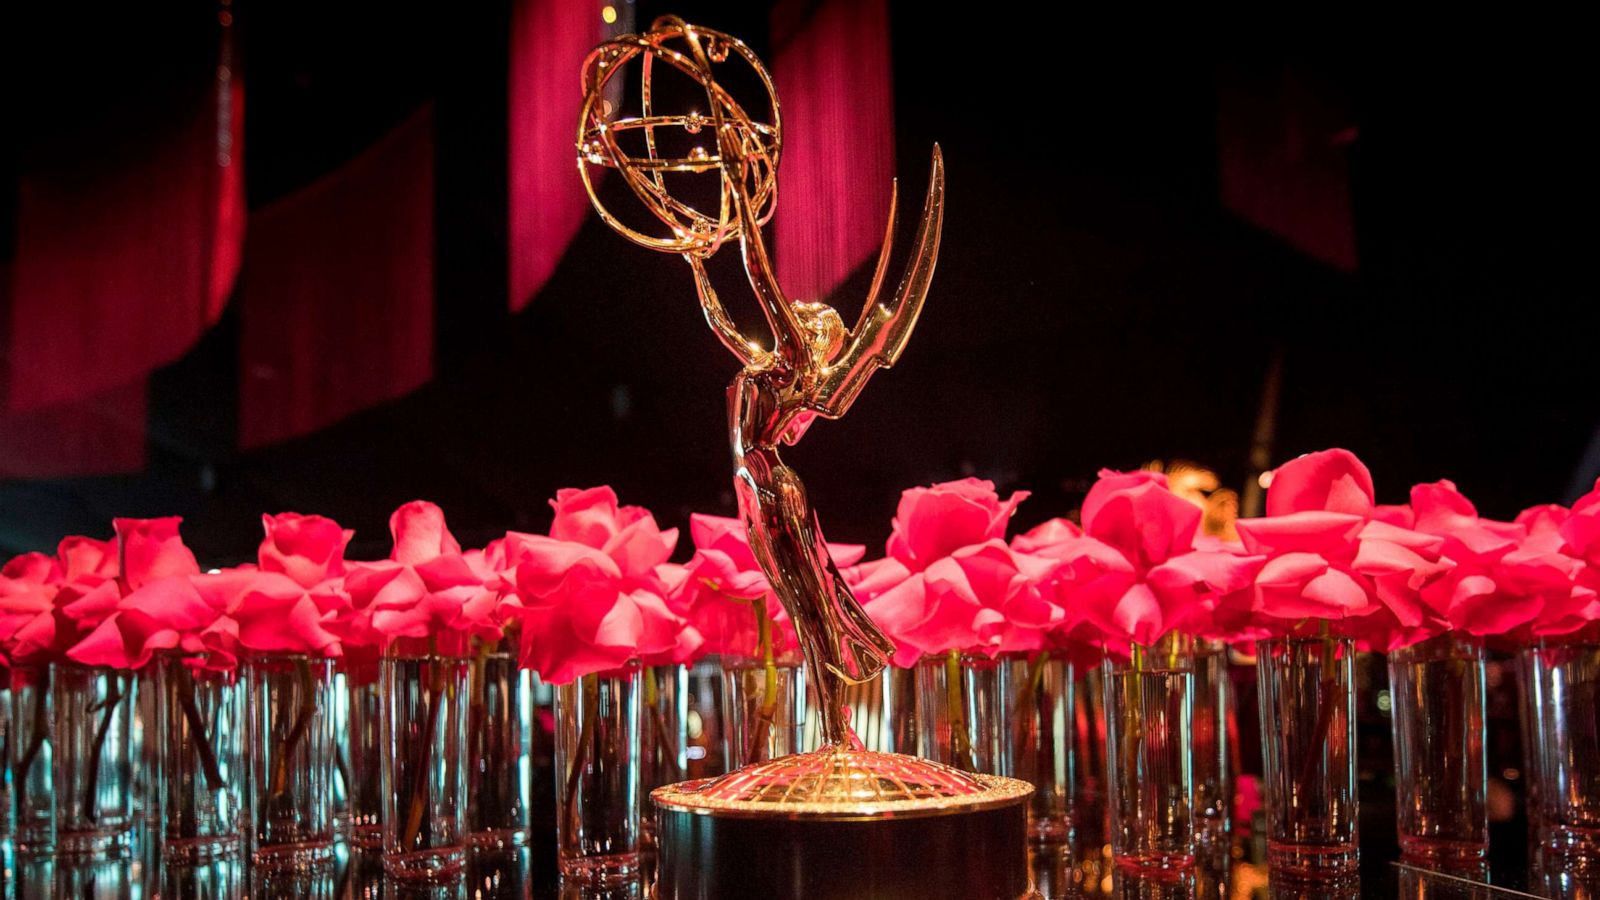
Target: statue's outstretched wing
{"points": [[881, 333]]}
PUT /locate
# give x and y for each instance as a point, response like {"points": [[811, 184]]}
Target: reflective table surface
{"points": [[1059, 872]]}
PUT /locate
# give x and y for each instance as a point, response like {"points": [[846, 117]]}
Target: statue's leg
{"points": [[835, 633]]}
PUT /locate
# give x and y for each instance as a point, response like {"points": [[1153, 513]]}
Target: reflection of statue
{"points": [[1201, 486], [814, 367]]}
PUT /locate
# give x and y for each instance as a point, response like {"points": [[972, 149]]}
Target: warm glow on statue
{"points": [[795, 826], [813, 366]]}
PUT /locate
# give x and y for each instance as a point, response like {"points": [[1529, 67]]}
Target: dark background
{"points": [[1095, 305]]}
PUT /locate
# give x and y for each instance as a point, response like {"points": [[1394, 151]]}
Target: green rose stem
{"points": [[1028, 701], [91, 790], [1133, 689], [419, 775], [580, 759], [960, 743], [769, 696]]}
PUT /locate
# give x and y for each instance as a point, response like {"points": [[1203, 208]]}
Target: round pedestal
{"points": [[842, 825]]}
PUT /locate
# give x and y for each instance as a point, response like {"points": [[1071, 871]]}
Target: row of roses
{"points": [[600, 590]]}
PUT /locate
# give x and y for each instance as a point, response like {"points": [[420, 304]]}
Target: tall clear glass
{"points": [[1037, 738], [499, 747], [1013, 716], [424, 747], [763, 709], [1213, 747], [32, 756], [1566, 742], [1308, 738], [1148, 702], [1440, 763], [703, 720], [664, 737], [339, 709], [598, 802], [146, 748], [961, 710], [364, 762], [5, 758], [1529, 701], [1090, 816], [202, 737], [291, 760], [93, 778], [883, 712]]}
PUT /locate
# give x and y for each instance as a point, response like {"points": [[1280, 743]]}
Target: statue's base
{"points": [[843, 825]]}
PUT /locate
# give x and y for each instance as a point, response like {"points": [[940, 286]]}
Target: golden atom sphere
{"points": [[741, 148]]}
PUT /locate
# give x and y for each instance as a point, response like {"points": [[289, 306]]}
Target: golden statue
{"points": [[828, 804], [813, 366]]}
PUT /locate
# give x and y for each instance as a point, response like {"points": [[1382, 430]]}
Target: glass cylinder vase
{"points": [[960, 704], [5, 759], [291, 759], [1015, 716], [1213, 745], [1308, 738], [598, 802], [364, 739], [339, 711], [423, 752], [1564, 701], [32, 765], [1090, 816], [664, 737], [763, 708], [500, 734], [202, 736], [1149, 771], [93, 783], [145, 748], [1037, 738], [1440, 763]]}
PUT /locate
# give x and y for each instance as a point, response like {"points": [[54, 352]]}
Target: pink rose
{"points": [[982, 598], [1332, 480], [151, 550], [1136, 513], [1049, 534], [627, 534], [932, 523], [581, 617], [308, 549]]}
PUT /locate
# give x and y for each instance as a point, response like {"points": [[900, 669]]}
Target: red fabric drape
{"points": [[101, 435], [124, 256], [121, 265], [835, 87], [336, 299], [1283, 158], [549, 40]]}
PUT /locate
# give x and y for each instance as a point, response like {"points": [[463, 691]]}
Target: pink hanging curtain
{"points": [[549, 40], [123, 258], [336, 301], [832, 68], [122, 264], [1283, 155], [100, 435]]}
